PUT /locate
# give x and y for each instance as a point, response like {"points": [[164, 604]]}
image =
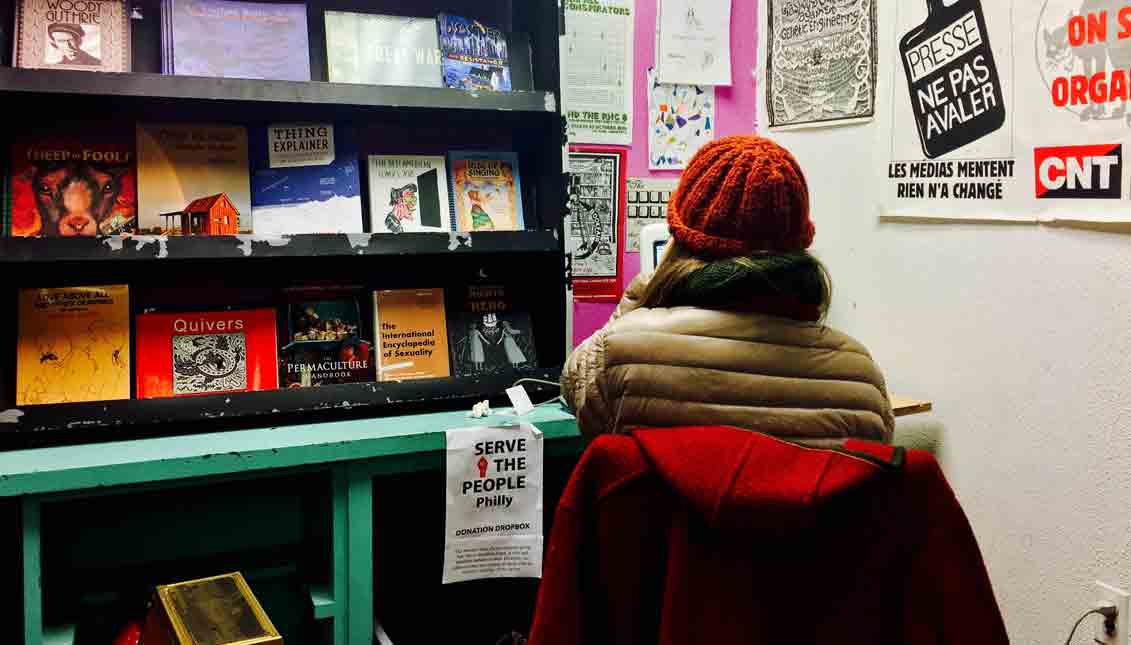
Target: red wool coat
{"points": [[718, 536]]}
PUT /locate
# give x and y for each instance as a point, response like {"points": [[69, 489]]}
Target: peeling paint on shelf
{"points": [[162, 242], [11, 416], [551, 102], [115, 242], [246, 242], [359, 240]]}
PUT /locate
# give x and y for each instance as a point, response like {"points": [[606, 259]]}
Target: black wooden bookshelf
{"points": [[389, 120]]}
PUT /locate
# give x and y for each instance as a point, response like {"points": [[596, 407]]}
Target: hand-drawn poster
{"points": [[1011, 109], [596, 233], [693, 42], [681, 119], [596, 71], [646, 200], [820, 62]]}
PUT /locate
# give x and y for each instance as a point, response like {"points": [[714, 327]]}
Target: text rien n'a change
{"points": [[506, 461]]}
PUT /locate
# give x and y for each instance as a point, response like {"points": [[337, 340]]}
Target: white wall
{"points": [[1021, 335]]}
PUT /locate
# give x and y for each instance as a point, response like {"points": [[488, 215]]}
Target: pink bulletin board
{"points": [[734, 114]]}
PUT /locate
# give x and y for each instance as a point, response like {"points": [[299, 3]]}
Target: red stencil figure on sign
{"points": [[483, 467]]}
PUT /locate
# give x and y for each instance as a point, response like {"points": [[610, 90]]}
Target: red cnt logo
{"points": [[1080, 172]]}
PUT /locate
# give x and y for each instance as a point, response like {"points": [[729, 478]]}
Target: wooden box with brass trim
{"points": [[220, 610]]}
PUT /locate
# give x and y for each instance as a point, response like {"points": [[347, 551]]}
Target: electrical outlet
{"points": [[1120, 598]]}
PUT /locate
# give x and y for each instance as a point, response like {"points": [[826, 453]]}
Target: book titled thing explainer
{"points": [[382, 50], [304, 179], [87, 35]]}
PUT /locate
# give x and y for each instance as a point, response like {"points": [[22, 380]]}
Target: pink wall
{"points": [[735, 114]]}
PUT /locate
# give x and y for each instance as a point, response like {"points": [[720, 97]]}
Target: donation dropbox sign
{"points": [[1008, 109], [493, 525]]}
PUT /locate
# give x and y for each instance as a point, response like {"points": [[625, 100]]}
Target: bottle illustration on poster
{"points": [[955, 90]]}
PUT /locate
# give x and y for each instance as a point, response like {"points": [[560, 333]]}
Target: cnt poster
{"points": [[1011, 110], [493, 514], [596, 71], [821, 59], [681, 119], [693, 42], [596, 229]]}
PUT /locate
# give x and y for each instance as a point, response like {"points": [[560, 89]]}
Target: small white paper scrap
{"points": [[520, 400]]}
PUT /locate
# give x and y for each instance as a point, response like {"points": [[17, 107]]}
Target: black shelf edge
{"points": [[71, 423], [24, 250], [140, 85]]}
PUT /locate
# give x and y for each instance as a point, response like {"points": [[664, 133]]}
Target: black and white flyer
{"points": [[821, 59], [596, 230], [1010, 109], [493, 521]]}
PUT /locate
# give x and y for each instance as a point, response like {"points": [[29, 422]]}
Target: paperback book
{"points": [[489, 332], [486, 191], [226, 38], [324, 343], [193, 179], [411, 336], [474, 55], [408, 193], [80, 185], [304, 179], [382, 50], [73, 345], [87, 35], [184, 354]]}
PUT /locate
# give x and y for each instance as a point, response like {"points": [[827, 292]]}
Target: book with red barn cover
{"points": [[185, 354]]}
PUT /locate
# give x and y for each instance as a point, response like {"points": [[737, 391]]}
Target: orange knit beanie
{"points": [[740, 195]]}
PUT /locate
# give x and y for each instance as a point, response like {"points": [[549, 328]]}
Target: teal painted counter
{"points": [[69, 468], [352, 452]]}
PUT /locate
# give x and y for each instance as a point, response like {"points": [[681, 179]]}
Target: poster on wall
{"points": [[646, 202], [596, 228], [681, 119], [693, 42], [821, 58], [1010, 109], [596, 71]]}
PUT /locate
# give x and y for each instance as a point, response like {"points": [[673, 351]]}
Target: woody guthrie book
{"points": [[73, 345], [88, 35], [486, 191], [80, 185]]}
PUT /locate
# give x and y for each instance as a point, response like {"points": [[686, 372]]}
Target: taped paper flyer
{"points": [[493, 521]]}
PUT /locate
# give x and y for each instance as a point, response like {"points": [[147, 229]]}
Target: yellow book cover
{"points": [[412, 337], [74, 345]]}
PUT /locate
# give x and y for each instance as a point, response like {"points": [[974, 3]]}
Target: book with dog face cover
{"points": [[74, 345]]}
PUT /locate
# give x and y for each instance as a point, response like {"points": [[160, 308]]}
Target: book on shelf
{"points": [[412, 340], [207, 352], [489, 331], [325, 344], [304, 179], [73, 345], [81, 184], [382, 50], [473, 54], [226, 38], [193, 179], [408, 193], [486, 191], [87, 35]]}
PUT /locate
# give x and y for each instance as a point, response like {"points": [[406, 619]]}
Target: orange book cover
{"points": [[184, 354], [412, 335], [73, 345]]}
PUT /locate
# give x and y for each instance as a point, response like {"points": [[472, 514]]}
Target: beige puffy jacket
{"points": [[689, 366]]}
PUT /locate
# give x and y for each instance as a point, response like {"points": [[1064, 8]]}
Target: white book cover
{"points": [[382, 50], [408, 193]]}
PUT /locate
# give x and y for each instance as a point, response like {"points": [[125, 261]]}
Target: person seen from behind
{"points": [[729, 329]]}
